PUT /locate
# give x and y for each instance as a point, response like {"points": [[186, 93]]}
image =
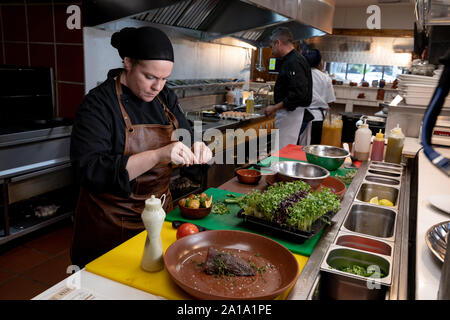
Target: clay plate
{"points": [[335, 185], [179, 262]]}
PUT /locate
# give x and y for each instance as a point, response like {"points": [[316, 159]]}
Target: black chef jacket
{"points": [[294, 82], [98, 134]]}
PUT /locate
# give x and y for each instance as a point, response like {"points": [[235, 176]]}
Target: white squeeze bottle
{"points": [[153, 217], [363, 137]]}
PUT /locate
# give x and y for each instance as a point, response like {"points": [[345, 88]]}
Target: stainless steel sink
{"points": [[371, 220]]}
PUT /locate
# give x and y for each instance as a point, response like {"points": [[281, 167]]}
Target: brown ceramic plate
{"points": [[184, 258], [335, 185]]}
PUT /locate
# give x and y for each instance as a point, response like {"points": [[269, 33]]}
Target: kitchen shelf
{"points": [[21, 217], [26, 226], [201, 85]]}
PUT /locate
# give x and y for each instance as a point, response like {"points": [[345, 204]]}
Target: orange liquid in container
{"points": [[332, 132]]}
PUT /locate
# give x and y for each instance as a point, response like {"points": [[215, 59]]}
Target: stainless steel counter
{"points": [[223, 124], [308, 278], [308, 282]]}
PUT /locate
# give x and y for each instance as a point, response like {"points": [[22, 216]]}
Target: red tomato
{"points": [[186, 229]]}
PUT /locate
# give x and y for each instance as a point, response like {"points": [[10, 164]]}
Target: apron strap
{"points": [[170, 116]]}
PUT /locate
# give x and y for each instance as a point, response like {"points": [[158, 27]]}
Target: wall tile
{"points": [[70, 63], [69, 97], [14, 23], [16, 54], [40, 23], [63, 34], [42, 55]]}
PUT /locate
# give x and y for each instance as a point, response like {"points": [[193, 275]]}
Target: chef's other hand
{"points": [[270, 111], [202, 154], [177, 153]]}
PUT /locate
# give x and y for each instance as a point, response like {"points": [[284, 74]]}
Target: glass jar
{"points": [[332, 130]]}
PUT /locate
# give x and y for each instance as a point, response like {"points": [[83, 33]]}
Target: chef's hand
{"points": [[202, 154], [271, 111], [177, 153]]}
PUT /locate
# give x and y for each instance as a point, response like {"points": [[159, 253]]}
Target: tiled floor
{"points": [[32, 265]]}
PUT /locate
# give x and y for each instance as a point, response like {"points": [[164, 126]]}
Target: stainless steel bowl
{"points": [[328, 157], [293, 170]]}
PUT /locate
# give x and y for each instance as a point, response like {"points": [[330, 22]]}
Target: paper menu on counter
{"points": [[65, 292]]}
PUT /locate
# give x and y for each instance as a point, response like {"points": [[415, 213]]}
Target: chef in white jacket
{"points": [[322, 96]]}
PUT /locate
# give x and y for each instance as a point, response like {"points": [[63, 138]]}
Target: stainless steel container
{"points": [[387, 169], [387, 164], [384, 173], [369, 190], [371, 220], [350, 240], [382, 180], [340, 285]]}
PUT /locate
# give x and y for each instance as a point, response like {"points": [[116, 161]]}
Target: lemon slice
{"points": [[374, 200], [208, 202], [386, 202]]}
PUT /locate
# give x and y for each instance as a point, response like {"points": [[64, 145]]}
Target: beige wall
{"points": [[393, 16], [193, 59]]}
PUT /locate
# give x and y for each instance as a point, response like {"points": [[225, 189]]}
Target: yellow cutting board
{"points": [[123, 264]]}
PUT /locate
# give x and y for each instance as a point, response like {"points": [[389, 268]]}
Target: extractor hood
{"points": [[251, 21]]}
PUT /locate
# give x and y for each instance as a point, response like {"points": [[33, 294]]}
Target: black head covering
{"points": [[146, 43], [313, 57]]}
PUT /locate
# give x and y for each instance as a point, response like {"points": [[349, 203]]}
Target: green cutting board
{"points": [[230, 221]]}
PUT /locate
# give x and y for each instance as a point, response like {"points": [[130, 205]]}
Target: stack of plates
{"points": [[418, 90]]}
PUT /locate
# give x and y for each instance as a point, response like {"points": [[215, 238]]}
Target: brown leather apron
{"points": [[103, 221]]}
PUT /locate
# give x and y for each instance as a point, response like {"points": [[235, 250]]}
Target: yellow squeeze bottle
{"points": [[395, 146]]}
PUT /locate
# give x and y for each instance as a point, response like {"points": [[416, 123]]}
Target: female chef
{"points": [[123, 145], [322, 97]]}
